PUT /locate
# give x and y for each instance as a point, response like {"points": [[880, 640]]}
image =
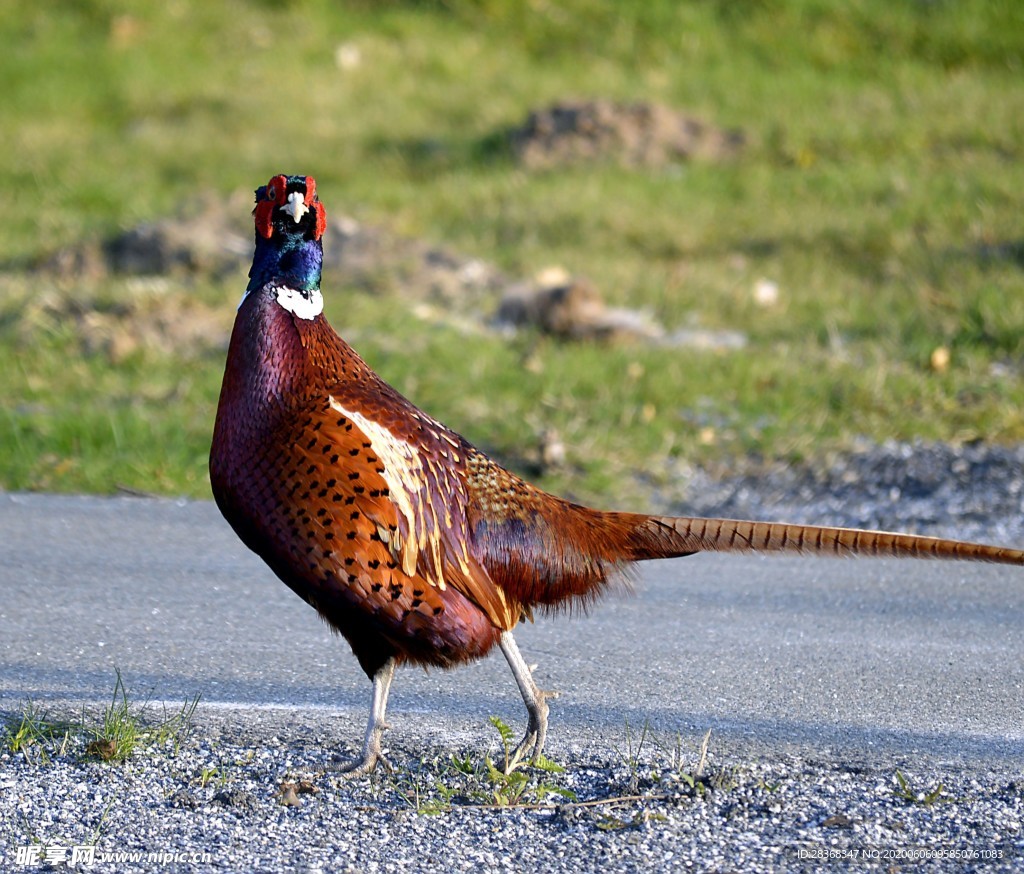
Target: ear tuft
{"points": [[321, 220], [264, 213]]}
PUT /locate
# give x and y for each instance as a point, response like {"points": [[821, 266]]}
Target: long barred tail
{"points": [[668, 536]]}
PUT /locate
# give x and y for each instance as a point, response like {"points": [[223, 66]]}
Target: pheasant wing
{"points": [[405, 470]]}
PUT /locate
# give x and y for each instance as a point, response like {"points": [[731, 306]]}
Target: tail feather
{"points": [[668, 536]]}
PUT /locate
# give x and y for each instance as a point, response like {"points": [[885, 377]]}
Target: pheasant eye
{"points": [[271, 192]]}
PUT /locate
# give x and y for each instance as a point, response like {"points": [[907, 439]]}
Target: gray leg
{"points": [[534, 698], [375, 727]]}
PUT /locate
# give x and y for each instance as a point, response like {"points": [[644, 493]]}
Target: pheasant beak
{"points": [[295, 206]]}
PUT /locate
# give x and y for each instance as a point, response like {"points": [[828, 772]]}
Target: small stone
{"points": [[347, 56], [102, 749], [183, 799], [837, 820], [553, 277], [236, 798], [766, 293], [288, 797], [940, 359]]}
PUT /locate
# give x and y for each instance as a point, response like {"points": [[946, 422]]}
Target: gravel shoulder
{"points": [[819, 681]]}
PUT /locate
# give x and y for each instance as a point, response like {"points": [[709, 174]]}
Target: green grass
{"points": [[434, 787], [911, 795], [880, 190], [122, 729]]}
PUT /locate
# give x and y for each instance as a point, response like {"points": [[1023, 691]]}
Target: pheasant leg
{"points": [[535, 700], [374, 728]]}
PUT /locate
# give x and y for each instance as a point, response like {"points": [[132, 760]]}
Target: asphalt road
{"points": [[860, 660]]}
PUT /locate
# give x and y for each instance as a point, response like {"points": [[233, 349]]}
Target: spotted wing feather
{"points": [[414, 492]]}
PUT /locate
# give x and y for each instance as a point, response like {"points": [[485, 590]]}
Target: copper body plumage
{"points": [[405, 538]]}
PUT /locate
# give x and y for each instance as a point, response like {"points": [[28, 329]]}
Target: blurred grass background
{"points": [[881, 190]]}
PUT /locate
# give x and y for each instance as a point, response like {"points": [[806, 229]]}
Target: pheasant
{"points": [[407, 539]]}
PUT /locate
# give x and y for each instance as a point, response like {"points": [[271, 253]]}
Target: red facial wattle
{"points": [[276, 195]]}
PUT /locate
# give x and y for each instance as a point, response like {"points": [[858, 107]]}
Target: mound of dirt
{"points": [[208, 239], [632, 134], [571, 309]]}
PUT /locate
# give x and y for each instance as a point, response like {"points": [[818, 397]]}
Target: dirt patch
{"points": [[572, 308], [372, 258], [206, 240], [150, 317], [213, 241], [631, 134]]}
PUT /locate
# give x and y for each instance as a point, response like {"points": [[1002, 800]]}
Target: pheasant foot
{"points": [[375, 728], [536, 706]]}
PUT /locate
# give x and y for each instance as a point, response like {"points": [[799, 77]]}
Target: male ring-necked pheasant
{"points": [[408, 540]]}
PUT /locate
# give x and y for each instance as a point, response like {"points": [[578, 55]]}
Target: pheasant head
{"points": [[290, 222]]}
